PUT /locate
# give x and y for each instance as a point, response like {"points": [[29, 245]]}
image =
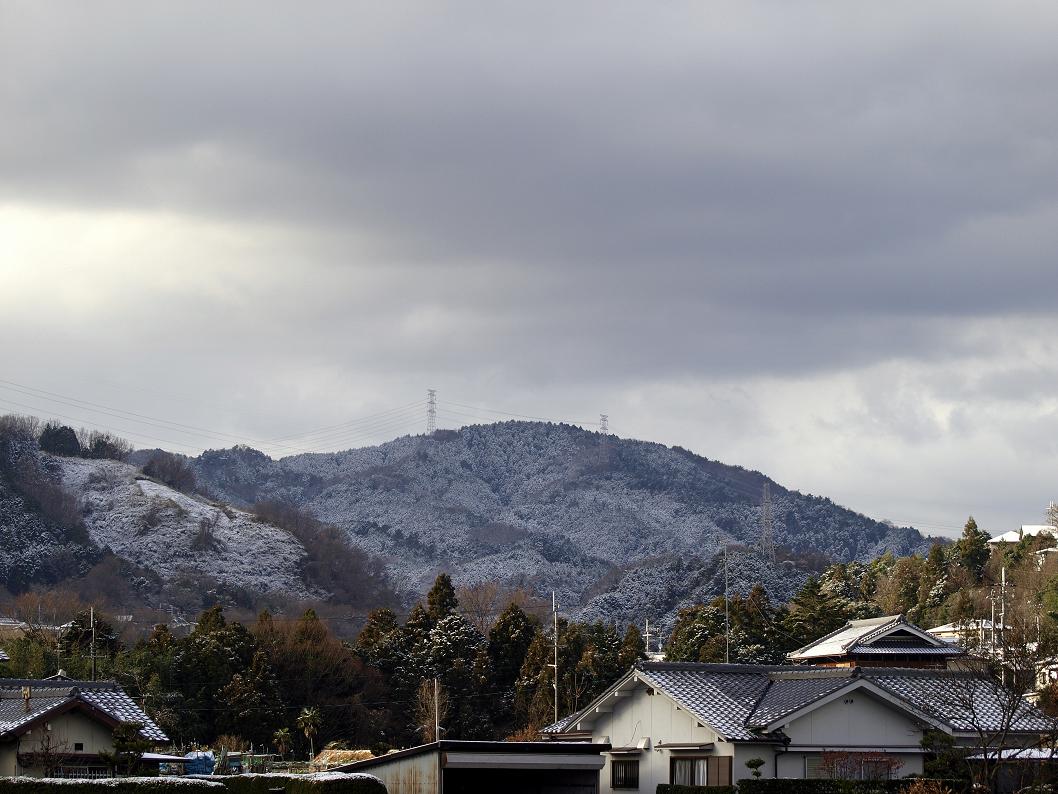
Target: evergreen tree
{"points": [[57, 439], [441, 601], [633, 649], [698, 634], [508, 646], [813, 614], [972, 549], [250, 703], [458, 657]]}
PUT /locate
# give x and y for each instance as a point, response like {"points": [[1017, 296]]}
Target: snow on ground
{"points": [[172, 533]]}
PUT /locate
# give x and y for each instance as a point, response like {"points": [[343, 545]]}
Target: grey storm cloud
{"points": [[562, 197]]}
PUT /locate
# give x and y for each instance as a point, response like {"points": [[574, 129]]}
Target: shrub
{"points": [[100, 445], [57, 439], [319, 783], [172, 470], [828, 786], [672, 788], [126, 785]]}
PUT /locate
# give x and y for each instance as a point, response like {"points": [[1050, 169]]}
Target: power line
{"points": [[520, 416], [327, 429]]}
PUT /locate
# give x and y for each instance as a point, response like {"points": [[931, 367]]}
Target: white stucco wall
{"points": [[856, 722]]}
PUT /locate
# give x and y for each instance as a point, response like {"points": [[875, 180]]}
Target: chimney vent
{"points": [[27, 693]]}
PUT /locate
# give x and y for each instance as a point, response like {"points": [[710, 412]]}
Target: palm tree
{"points": [[282, 741], [309, 722]]}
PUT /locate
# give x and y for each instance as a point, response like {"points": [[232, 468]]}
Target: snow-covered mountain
{"points": [[621, 529]]}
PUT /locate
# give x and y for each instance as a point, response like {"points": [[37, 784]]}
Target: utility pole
{"points": [[431, 411], [646, 636], [93, 620], [436, 712], [727, 614], [554, 612]]}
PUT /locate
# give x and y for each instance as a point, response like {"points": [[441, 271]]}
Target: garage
{"points": [[457, 767]]}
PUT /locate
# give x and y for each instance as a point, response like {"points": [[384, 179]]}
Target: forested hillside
{"points": [[624, 529]]}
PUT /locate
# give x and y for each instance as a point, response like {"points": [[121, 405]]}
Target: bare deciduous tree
{"points": [[430, 710]]}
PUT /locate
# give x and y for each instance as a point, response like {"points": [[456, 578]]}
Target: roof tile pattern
{"points": [[961, 700], [721, 696], [787, 695], [739, 701], [105, 696]]}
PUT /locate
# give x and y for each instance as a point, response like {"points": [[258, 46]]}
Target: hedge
{"points": [[826, 786], [797, 786], [318, 783], [112, 785]]}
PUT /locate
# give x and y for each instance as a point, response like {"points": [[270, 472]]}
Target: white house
{"points": [[700, 724], [887, 641], [1026, 531]]}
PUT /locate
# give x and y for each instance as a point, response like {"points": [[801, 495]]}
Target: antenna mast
{"points": [[431, 411]]}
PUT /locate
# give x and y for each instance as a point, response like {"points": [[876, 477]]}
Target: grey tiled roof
{"points": [[719, 695], [962, 700], [788, 693], [562, 725], [739, 701], [47, 695], [907, 650]]}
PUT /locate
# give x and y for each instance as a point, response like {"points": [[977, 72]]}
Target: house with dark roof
{"points": [[58, 726], [889, 641], [703, 724]]}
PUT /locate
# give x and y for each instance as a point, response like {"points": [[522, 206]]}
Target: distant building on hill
{"points": [[1026, 531], [889, 641]]}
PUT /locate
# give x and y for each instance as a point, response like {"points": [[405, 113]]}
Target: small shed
{"points": [[463, 767]]}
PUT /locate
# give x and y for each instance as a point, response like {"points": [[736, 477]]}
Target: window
{"points": [[851, 766], [713, 770], [78, 747], [624, 774]]}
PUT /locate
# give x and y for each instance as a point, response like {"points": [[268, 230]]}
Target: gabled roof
{"points": [[891, 634], [1026, 531], [747, 702], [104, 699]]}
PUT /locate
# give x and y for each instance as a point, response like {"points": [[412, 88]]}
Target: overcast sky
{"points": [[815, 239]]}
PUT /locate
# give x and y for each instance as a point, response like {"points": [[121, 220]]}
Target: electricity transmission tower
{"points": [[604, 424], [767, 529], [431, 411]]}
